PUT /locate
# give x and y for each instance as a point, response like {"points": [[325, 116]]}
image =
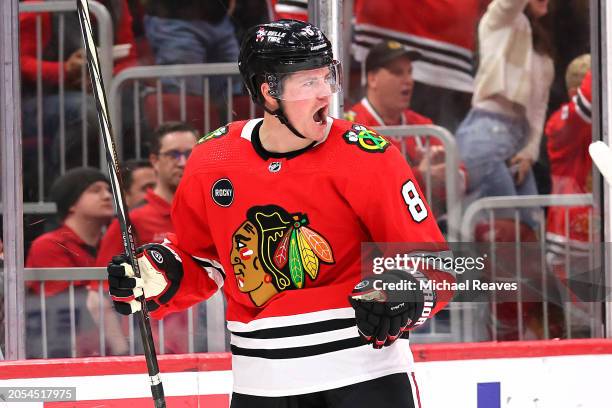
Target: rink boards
{"points": [[560, 374]]}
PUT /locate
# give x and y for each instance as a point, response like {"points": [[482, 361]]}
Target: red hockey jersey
{"points": [[282, 234], [443, 31], [569, 136], [293, 9]]}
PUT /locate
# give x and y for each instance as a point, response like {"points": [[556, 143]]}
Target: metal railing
{"points": [[592, 257], [141, 80], [105, 35], [200, 328], [446, 325], [451, 160]]}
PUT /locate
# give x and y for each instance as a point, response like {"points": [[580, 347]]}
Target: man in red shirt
{"points": [[84, 205], [170, 146], [387, 103], [138, 177]]}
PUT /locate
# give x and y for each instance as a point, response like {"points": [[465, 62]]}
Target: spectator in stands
{"points": [[569, 135], [387, 103], [500, 138], [67, 72], [191, 32], [170, 147], [85, 207], [138, 177]]}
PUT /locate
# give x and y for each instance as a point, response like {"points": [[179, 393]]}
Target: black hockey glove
{"points": [[384, 311], [161, 272]]}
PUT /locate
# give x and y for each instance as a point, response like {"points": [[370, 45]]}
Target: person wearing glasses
{"points": [[169, 149]]}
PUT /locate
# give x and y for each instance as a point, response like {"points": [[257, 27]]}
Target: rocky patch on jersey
{"points": [[214, 134], [274, 250], [222, 192], [366, 139]]}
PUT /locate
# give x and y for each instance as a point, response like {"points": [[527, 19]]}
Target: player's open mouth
{"points": [[320, 116]]}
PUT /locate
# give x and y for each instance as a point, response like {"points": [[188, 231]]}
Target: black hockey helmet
{"points": [[282, 47]]}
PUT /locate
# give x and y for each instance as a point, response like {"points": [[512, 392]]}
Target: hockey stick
{"points": [[602, 157], [127, 229]]}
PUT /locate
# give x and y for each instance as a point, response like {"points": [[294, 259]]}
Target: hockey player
{"points": [[274, 210]]}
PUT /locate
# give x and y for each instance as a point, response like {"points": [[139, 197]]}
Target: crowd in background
{"points": [[492, 72]]}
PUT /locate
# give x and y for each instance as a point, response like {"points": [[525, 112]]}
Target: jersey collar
{"points": [[250, 132]]}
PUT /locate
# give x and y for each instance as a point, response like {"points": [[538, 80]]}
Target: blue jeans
{"points": [[486, 142], [176, 41]]}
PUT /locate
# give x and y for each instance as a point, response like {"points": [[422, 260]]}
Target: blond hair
{"points": [[576, 71]]}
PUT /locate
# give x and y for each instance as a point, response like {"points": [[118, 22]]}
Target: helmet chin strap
{"points": [[280, 114]]}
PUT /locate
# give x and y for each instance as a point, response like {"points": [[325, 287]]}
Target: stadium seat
{"points": [[171, 110]]}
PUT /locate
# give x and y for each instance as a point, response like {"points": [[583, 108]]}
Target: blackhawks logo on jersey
{"points": [[367, 139], [274, 250], [214, 134]]}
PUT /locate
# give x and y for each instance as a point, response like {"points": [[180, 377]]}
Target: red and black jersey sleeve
{"points": [[293, 9], [391, 205], [203, 274]]}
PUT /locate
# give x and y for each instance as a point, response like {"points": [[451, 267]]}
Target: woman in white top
{"points": [[499, 140]]}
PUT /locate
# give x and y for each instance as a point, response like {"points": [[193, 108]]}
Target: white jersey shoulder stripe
{"points": [[247, 130]]}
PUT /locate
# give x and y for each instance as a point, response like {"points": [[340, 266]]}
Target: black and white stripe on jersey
{"points": [[213, 268], [583, 106], [299, 352], [446, 56], [292, 6], [303, 4], [207, 263], [298, 330], [296, 336]]}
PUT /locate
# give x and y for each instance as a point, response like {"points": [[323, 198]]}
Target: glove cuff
{"points": [[425, 295]]}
